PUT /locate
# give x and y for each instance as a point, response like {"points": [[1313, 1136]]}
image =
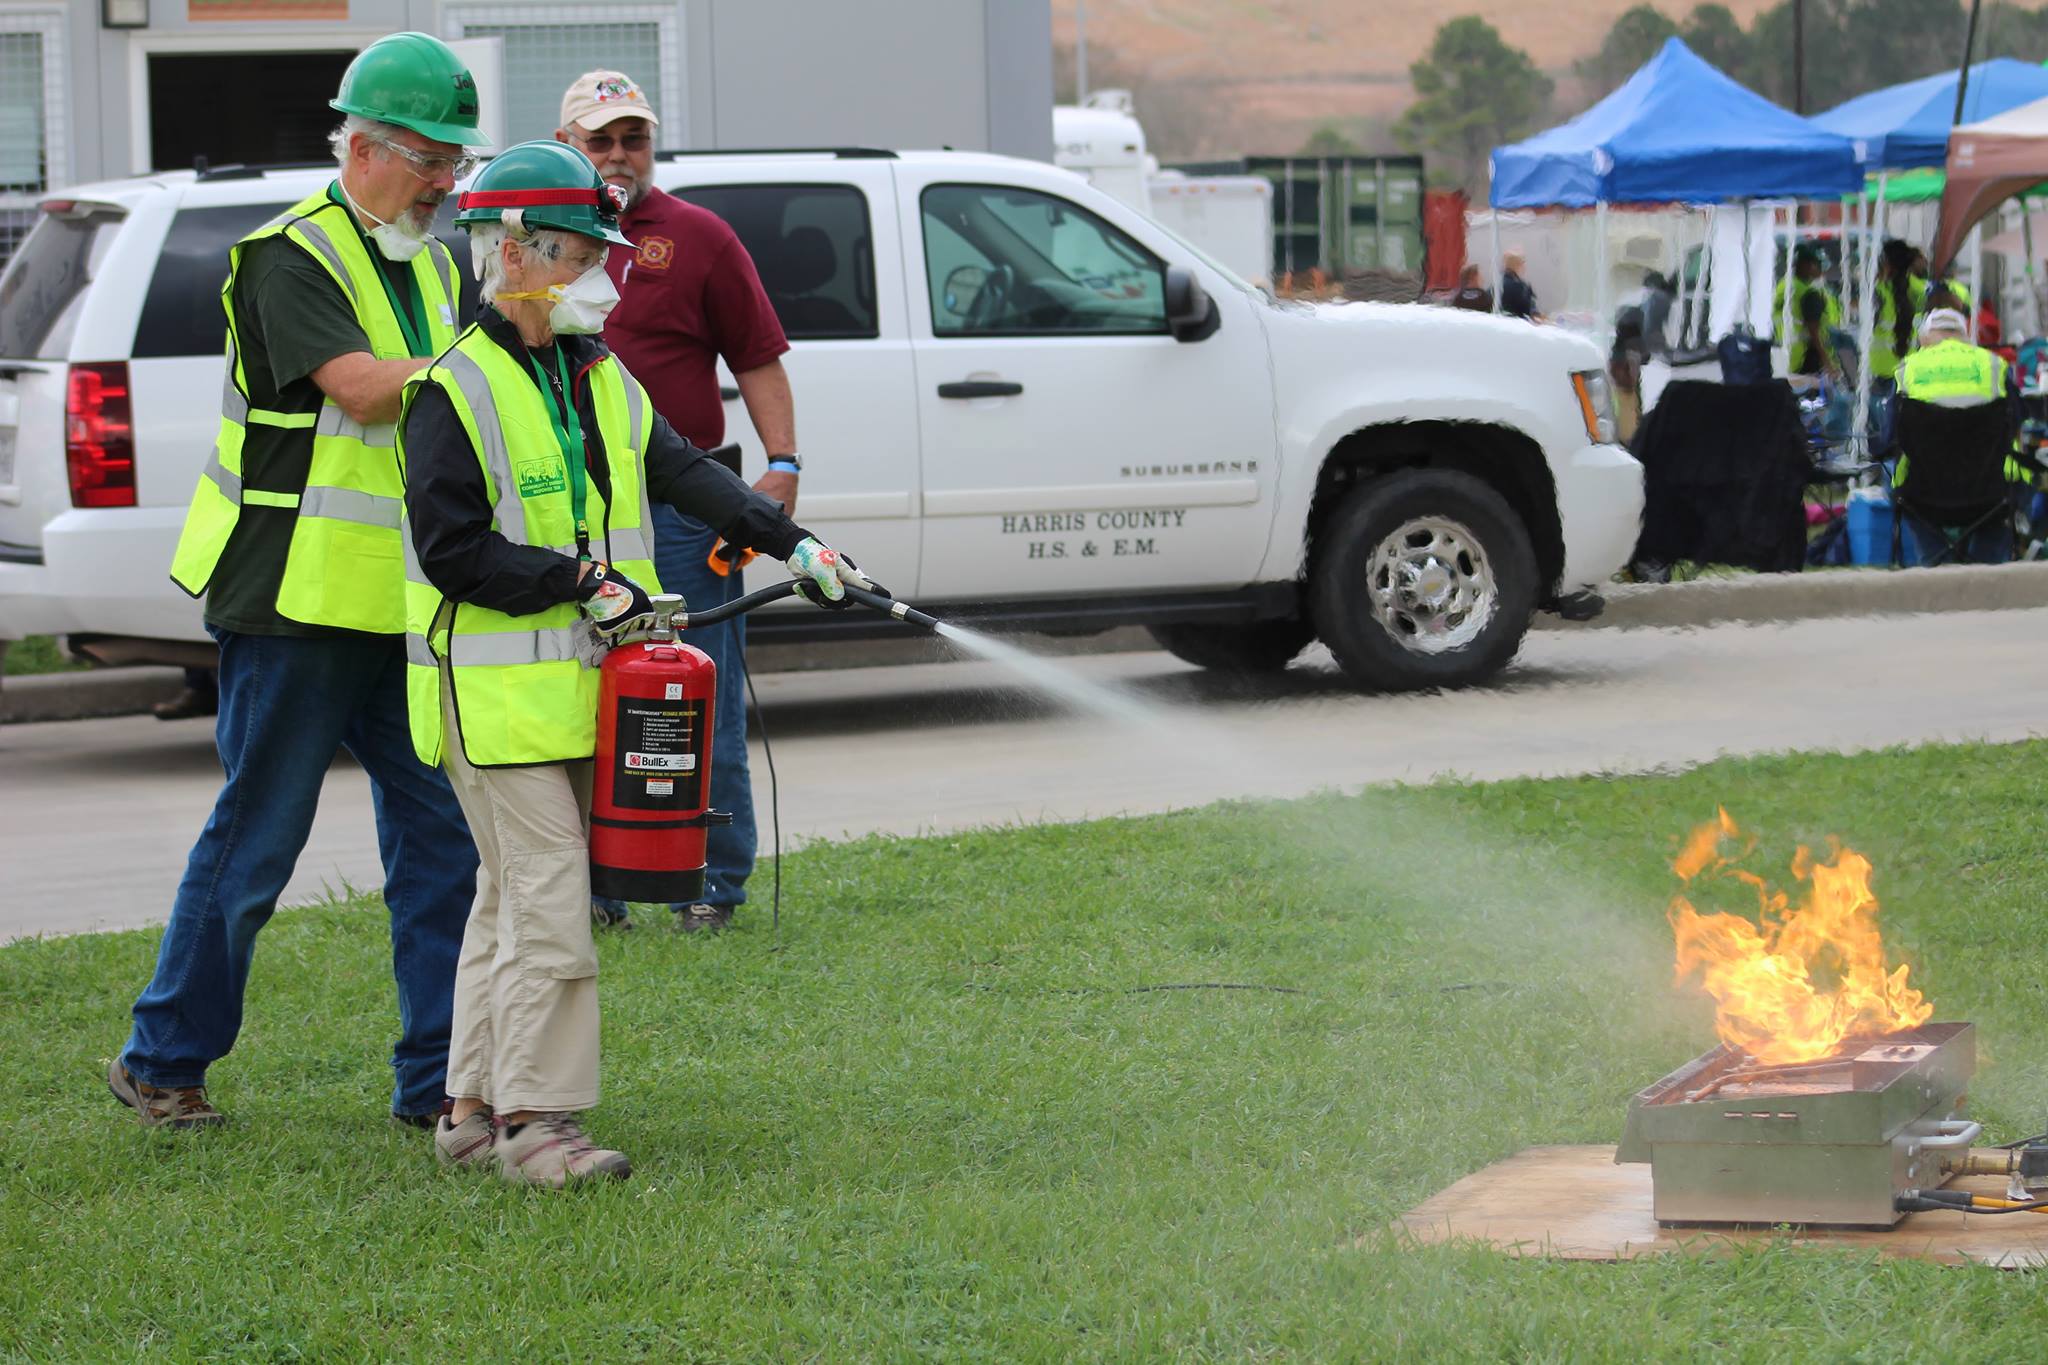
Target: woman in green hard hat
{"points": [[531, 461]]}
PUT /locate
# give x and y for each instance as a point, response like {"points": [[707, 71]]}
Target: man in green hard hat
{"points": [[533, 461], [292, 539]]}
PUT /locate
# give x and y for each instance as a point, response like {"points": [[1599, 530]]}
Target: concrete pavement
{"points": [[96, 816]]}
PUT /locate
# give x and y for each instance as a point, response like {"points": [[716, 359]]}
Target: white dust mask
{"points": [[581, 305], [397, 240]]}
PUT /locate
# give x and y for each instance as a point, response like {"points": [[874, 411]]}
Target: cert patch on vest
{"points": [[538, 478]]}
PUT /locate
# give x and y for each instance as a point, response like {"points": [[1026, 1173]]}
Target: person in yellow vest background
{"points": [[292, 538], [1947, 371], [1816, 312], [532, 462]]}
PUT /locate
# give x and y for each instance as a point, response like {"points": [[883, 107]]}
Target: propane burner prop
{"points": [[1801, 980], [1839, 1141], [1832, 1099]]}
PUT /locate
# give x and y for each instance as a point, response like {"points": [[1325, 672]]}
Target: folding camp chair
{"points": [[1955, 481]]}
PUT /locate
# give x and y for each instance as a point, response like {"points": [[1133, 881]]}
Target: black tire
{"points": [[1261, 647], [1480, 586]]}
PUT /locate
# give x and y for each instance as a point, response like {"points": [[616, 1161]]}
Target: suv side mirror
{"points": [[1191, 314]]}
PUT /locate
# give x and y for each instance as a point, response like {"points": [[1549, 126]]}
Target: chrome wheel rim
{"points": [[1431, 586]]}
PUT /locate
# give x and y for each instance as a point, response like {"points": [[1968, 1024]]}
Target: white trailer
{"points": [[1230, 217]]}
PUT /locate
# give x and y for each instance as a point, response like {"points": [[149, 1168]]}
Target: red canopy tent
{"points": [[1989, 163]]}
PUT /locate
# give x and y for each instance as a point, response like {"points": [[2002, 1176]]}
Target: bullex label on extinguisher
{"points": [[658, 747]]}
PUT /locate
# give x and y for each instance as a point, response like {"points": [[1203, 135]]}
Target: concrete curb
{"points": [[1759, 599], [1762, 599], [83, 696]]}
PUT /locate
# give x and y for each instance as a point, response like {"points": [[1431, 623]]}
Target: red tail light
{"points": [[99, 440]]}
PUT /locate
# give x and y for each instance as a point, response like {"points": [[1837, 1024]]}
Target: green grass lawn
{"points": [[38, 654], [945, 1120]]}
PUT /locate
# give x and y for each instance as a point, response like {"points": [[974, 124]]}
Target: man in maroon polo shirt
{"points": [[689, 297]]}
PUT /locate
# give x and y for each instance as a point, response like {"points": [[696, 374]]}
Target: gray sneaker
{"points": [[163, 1106], [467, 1143], [551, 1150]]}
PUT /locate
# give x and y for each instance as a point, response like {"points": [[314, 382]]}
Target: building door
{"points": [[249, 108]]}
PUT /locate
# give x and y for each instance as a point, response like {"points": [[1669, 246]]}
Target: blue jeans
{"points": [[286, 705], [1988, 545], [682, 547]]}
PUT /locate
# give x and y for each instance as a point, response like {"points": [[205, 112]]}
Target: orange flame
{"points": [[1795, 984]]}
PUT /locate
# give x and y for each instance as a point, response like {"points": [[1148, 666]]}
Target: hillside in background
{"points": [[1230, 77]]}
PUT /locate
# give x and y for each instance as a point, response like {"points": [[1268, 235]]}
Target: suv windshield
{"points": [[45, 282]]}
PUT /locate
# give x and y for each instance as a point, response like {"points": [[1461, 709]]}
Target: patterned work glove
{"points": [[615, 603], [826, 567]]}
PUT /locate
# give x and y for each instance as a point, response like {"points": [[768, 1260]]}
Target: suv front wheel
{"points": [[1423, 578]]}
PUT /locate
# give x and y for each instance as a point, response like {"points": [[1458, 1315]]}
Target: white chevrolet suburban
{"points": [[1021, 404]]}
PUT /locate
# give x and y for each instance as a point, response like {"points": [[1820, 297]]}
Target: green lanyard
{"points": [[569, 436], [415, 345]]}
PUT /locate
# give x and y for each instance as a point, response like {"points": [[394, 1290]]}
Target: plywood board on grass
{"points": [[1576, 1204]]}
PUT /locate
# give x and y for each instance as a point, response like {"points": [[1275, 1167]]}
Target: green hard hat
{"points": [[416, 81], [552, 185]]}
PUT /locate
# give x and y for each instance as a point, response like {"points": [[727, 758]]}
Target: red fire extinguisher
{"points": [[651, 788]]}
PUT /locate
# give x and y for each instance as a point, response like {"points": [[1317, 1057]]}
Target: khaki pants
{"points": [[525, 1030]]}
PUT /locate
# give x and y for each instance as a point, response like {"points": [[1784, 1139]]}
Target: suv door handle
{"points": [[980, 388], [728, 392]]}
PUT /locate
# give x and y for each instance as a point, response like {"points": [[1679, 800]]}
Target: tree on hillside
{"points": [[2013, 31], [1472, 93], [1633, 40], [1854, 47], [1713, 32], [1330, 140]]}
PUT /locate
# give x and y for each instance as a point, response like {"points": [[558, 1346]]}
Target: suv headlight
{"points": [[1596, 404]]}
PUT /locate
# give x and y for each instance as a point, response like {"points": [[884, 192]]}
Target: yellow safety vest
{"points": [[1954, 374], [1884, 359], [1831, 317], [521, 694], [344, 566]]}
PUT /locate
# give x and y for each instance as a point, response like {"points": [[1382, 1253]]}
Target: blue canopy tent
{"points": [[1902, 126], [1679, 131], [1906, 126]]}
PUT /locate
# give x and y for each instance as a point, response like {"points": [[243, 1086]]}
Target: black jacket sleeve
{"points": [[698, 486], [449, 509]]}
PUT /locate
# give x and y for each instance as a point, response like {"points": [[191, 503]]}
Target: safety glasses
{"points": [[429, 168]]}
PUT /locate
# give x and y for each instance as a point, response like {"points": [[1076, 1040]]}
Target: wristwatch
{"points": [[791, 463]]}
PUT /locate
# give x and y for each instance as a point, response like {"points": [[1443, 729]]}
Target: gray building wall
{"points": [[973, 74]]}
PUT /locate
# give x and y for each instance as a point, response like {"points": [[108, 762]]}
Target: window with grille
{"points": [[34, 151], [548, 46], [21, 114]]}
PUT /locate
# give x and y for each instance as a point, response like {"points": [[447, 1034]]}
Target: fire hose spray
{"points": [[650, 795]]}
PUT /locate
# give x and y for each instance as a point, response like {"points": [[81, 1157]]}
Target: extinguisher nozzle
{"points": [[889, 606]]}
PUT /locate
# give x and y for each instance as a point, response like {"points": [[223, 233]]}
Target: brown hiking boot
{"points": [[173, 1106], [551, 1150], [467, 1143]]}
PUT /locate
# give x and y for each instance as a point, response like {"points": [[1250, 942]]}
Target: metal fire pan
{"points": [[1831, 1144]]}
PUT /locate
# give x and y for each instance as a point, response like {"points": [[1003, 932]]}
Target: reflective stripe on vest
{"points": [[522, 695], [343, 567]]}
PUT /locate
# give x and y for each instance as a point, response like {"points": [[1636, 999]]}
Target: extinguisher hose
{"points": [[740, 606]]}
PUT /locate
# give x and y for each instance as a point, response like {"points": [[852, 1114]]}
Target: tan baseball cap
{"points": [[598, 97]]}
